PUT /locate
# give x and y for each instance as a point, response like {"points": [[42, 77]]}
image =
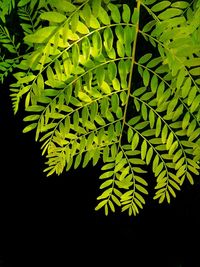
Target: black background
{"points": [[52, 220]]}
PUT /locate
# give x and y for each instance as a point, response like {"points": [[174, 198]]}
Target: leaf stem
{"points": [[132, 66]]}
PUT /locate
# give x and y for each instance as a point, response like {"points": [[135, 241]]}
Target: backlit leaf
{"points": [[141, 189], [190, 178], [169, 13], [186, 88], [84, 97], [53, 16], [180, 78], [115, 14], [169, 140], [103, 16], [112, 70], [180, 4], [82, 28], [120, 165], [126, 14], [158, 127], [30, 127], [101, 204], [135, 141], [144, 111], [154, 83], [106, 183], [40, 35], [151, 118], [160, 6], [143, 149], [195, 71], [149, 155], [146, 77], [120, 49], [145, 58], [186, 120], [191, 95]]}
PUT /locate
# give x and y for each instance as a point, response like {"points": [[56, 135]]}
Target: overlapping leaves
{"points": [[85, 105]]}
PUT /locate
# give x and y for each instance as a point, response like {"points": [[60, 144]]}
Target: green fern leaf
{"points": [[90, 96]]}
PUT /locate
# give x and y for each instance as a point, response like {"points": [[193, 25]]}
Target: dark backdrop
{"points": [[52, 220], [54, 217]]}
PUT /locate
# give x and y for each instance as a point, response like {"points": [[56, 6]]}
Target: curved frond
{"points": [[90, 95]]}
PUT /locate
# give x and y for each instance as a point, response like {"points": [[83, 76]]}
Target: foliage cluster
{"points": [[89, 94]]}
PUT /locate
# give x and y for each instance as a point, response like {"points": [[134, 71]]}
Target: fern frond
{"points": [[29, 14], [90, 97], [6, 67], [8, 42], [29, 18]]}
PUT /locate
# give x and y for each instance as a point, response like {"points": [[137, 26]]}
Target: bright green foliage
{"points": [[89, 96]]}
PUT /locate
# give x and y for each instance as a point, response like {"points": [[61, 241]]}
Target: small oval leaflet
{"points": [[53, 16], [126, 15]]}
